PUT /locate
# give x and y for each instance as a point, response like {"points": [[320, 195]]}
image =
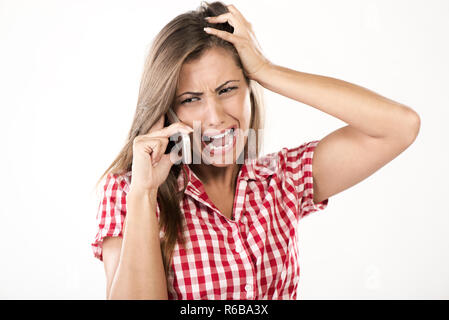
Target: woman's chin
{"points": [[219, 160], [220, 164]]}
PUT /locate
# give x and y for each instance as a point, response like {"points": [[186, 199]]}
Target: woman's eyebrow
{"points": [[200, 93]]}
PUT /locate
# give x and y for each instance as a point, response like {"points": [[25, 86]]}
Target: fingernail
{"points": [[206, 18], [206, 29]]}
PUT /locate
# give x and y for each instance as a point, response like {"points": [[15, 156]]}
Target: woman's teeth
{"points": [[217, 142], [221, 135]]}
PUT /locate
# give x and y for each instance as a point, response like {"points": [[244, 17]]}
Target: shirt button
{"points": [[238, 248], [248, 287]]}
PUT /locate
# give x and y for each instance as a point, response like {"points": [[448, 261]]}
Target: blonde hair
{"points": [[180, 41]]}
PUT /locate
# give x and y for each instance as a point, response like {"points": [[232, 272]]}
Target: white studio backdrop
{"points": [[69, 77]]}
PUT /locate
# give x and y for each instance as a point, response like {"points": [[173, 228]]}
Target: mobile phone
{"points": [[186, 148]]}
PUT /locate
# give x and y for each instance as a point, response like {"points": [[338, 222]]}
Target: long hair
{"points": [[180, 41]]}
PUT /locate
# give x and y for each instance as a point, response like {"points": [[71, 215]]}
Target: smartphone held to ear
{"points": [[173, 142]]}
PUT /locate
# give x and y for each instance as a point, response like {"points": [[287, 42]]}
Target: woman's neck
{"points": [[223, 178]]}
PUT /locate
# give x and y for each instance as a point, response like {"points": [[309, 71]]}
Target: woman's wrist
{"points": [[262, 73], [136, 192]]}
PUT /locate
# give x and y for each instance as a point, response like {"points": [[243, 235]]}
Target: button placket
{"points": [[240, 250]]}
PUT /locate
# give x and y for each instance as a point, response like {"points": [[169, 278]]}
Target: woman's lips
{"points": [[206, 140], [207, 144], [216, 132]]}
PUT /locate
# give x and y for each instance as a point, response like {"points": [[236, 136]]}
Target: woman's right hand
{"points": [[150, 166]]}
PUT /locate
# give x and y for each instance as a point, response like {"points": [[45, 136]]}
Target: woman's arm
{"points": [[140, 271], [378, 129], [362, 109]]}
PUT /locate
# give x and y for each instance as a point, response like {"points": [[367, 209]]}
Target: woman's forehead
{"points": [[208, 71]]}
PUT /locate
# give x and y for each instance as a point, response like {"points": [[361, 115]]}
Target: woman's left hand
{"points": [[243, 39]]}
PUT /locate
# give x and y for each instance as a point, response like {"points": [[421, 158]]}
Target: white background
{"points": [[69, 77]]}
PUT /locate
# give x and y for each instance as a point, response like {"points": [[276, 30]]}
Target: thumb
{"points": [[167, 161]]}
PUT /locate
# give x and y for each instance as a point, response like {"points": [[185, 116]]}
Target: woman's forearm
{"points": [[140, 272], [371, 113]]}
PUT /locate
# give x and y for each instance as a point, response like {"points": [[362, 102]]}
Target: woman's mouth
{"points": [[220, 143]]}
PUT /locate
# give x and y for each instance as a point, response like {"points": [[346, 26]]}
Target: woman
{"points": [[221, 228]]}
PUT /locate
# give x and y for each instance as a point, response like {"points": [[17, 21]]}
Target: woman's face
{"points": [[213, 98]]}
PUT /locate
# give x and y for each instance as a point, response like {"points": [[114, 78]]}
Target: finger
{"points": [[164, 162], [237, 14], [152, 146], [221, 34], [160, 144], [233, 9], [225, 17], [177, 127], [171, 130]]}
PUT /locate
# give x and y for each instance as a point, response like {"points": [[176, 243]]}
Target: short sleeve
{"points": [[297, 165], [111, 212]]}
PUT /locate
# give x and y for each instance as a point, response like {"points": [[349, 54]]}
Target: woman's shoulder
{"points": [[303, 149], [286, 157], [116, 181]]}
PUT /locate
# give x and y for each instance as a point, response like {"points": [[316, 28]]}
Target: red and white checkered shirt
{"points": [[253, 256]]}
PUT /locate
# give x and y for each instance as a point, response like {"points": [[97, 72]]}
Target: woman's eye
{"points": [[225, 90], [187, 100], [230, 89]]}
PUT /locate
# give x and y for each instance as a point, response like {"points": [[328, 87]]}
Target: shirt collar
{"points": [[252, 169]]}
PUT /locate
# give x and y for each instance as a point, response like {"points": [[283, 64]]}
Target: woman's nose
{"points": [[214, 115]]}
